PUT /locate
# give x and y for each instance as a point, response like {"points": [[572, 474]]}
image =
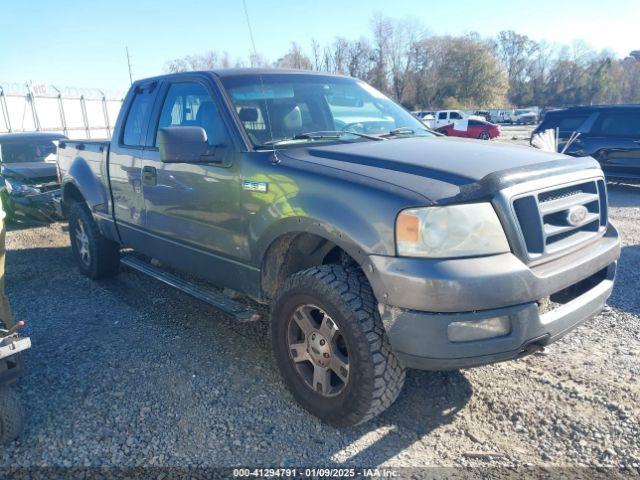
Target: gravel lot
{"points": [[130, 372]]}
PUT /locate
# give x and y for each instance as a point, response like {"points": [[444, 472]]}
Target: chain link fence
{"points": [[77, 113]]}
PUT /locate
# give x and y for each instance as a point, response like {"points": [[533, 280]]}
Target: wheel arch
{"points": [[80, 183], [295, 251]]}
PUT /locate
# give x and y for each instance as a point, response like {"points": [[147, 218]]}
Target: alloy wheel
{"points": [[82, 243], [318, 350]]}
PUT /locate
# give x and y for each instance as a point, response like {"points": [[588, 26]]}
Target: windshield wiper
{"points": [[399, 131], [404, 131], [322, 135]]}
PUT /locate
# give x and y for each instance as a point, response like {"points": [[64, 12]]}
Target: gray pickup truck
{"points": [[379, 245]]}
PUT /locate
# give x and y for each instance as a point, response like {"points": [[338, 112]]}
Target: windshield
{"points": [[284, 109], [23, 152]]}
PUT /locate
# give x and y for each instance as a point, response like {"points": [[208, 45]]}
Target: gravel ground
{"points": [[129, 372], [518, 134]]}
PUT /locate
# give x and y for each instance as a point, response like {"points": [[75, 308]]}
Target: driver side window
{"points": [[456, 116], [190, 105]]}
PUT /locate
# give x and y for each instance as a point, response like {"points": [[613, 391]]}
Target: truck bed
{"points": [[86, 159]]}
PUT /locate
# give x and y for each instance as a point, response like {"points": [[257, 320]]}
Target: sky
{"points": [[81, 43]]}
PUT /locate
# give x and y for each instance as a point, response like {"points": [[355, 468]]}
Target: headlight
{"points": [[14, 187], [454, 231]]}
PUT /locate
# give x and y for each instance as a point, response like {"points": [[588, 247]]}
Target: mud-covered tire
{"points": [[11, 415], [376, 376], [96, 256]]}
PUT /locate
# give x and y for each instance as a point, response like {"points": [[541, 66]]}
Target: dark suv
{"points": [[608, 133]]}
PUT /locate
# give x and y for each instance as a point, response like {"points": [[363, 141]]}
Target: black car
{"points": [[29, 187], [608, 133]]}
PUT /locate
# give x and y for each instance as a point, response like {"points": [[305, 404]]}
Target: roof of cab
{"points": [[240, 72]]}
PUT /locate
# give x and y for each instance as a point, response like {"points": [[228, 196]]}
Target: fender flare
{"points": [[301, 225], [84, 180]]}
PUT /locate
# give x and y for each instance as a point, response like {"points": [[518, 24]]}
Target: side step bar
{"points": [[239, 311]]}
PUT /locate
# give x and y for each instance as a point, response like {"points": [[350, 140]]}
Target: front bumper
{"points": [[45, 207], [419, 298]]}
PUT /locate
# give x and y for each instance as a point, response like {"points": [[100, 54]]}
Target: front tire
{"points": [[331, 347], [484, 135], [96, 256]]}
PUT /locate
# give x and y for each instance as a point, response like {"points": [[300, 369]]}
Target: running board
{"points": [[239, 311]]}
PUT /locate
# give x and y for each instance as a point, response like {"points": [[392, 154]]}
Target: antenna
{"points": [[255, 56], [129, 65], [253, 42]]}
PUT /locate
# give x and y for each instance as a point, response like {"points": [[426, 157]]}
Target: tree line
{"points": [[428, 71]]}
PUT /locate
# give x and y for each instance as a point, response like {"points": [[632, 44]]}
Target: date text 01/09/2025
{"points": [[314, 472]]}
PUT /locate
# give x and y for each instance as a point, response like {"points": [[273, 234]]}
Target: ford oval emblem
{"points": [[576, 215]]}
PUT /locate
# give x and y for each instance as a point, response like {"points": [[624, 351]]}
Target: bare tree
{"points": [[205, 61], [515, 52], [360, 58], [316, 54], [382, 28], [417, 69], [257, 60], [294, 58]]}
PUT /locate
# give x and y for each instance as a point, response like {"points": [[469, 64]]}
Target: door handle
{"points": [[149, 176]]}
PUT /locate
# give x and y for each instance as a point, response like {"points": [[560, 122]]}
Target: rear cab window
{"points": [[135, 126]]}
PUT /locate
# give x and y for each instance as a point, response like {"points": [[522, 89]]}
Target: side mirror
{"points": [[188, 145]]}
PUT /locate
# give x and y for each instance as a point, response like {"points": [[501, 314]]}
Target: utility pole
{"points": [[129, 64]]}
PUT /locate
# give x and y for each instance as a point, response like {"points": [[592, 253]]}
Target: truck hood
{"points": [[30, 172], [442, 169]]}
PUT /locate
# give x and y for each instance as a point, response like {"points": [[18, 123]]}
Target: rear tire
{"points": [[97, 256], [368, 377], [11, 415]]}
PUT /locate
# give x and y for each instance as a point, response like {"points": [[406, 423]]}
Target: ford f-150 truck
{"points": [[379, 245]]}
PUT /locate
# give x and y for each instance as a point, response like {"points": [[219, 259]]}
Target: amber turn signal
{"points": [[408, 228]]}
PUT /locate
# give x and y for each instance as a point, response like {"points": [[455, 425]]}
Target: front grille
{"points": [[560, 193], [543, 216]]}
